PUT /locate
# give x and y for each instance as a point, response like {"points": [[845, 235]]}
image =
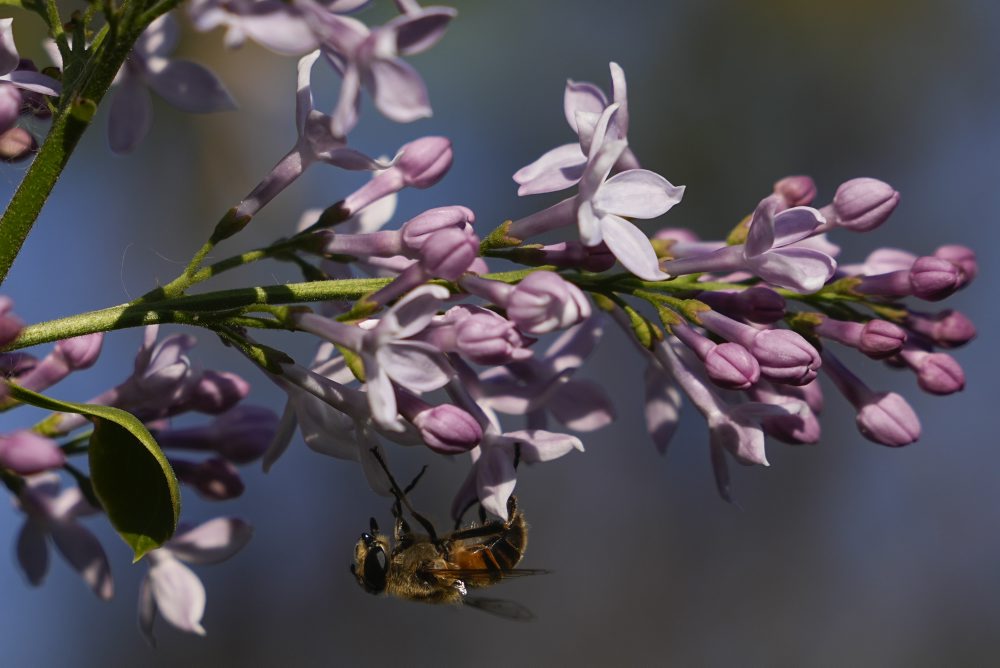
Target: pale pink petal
{"points": [[627, 243], [795, 224], [415, 33], [398, 90], [800, 269], [9, 57], [414, 365], [581, 405], [412, 313], [212, 541], [189, 87], [131, 115], [179, 594], [84, 553], [34, 81], [662, 407], [637, 193], [582, 96], [538, 445], [147, 610], [496, 479], [32, 552], [556, 170]]}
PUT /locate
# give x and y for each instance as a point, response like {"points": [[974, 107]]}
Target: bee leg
{"points": [[401, 498], [482, 514], [413, 483], [402, 532]]}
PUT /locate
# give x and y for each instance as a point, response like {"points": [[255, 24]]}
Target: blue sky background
{"points": [[844, 553]]}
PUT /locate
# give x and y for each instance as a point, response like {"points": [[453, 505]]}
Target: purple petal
{"points": [[591, 142], [538, 445], [9, 58], [795, 224], [414, 365], [662, 407], [416, 33], [800, 269], [147, 610], [398, 90], [582, 96], [619, 93], [281, 32], [745, 442], [282, 438], [212, 541], [32, 552], [556, 170], [760, 235], [720, 470], [26, 453], [637, 193], [575, 344], [84, 553], [189, 86], [303, 90], [348, 158], [345, 114], [179, 595], [381, 394], [34, 81], [627, 243], [373, 470], [884, 260], [10, 110], [412, 313], [159, 38], [496, 479], [131, 115], [581, 405]]}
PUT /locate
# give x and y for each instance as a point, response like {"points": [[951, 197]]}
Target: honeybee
{"points": [[432, 569]]}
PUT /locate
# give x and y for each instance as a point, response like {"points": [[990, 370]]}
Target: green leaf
{"points": [[131, 477]]}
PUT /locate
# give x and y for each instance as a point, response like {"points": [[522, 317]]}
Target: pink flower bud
{"points": [[863, 204], [448, 253], [785, 356], [962, 257], [423, 162], [485, 337], [446, 429], [416, 231], [214, 479], [17, 144], [796, 190], [934, 279], [544, 302], [217, 391], [731, 366], [27, 453], [937, 373], [888, 419], [947, 329], [880, 339], [761, 305], [80, 352], [10, 324]]}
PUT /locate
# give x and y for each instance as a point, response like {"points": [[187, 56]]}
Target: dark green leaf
{"points": [[131, 477]]}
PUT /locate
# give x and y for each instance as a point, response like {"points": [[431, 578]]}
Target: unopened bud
{"points": [[543, 302], [863, 204], [17, 144], [416, 231], [934, 279], [448, 253], [796, 190], [424, 161], [214, 479], [80, 352], [962, 257], [27, 453]]}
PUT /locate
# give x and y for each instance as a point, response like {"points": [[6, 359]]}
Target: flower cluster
{"points": [[418, 341]]}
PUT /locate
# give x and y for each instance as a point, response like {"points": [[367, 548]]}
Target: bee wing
{"points": [[500, 607], [482, 577]]}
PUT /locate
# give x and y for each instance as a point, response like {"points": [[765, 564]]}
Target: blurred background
{"points": [[844, 553]]}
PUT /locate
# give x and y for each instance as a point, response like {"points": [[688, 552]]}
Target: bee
{"points": [[441, 569]]}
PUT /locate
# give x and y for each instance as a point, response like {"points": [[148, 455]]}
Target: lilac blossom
{"points": [[876, 338], [68, 355], [602, 205], [183, 84], [563, 166], [316, 143], [369, 58], [240, 435], [15, 78], [928, 277], [861, 205], [540, 303], [770, 251], [796, 191], [170, 589], [386, 352], [798, 427], [947, 329], [477, 334], [937, 373], [757, 304], [446, 429], [882, 417], [24, 452], [728, 365], [53, 513], [215, 479], [10, 324]]}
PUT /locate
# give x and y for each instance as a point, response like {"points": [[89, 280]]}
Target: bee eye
{"points": [[374, 570]]}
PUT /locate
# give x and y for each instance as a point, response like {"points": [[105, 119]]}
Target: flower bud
{"points": [[863, 204], [800, 427], [10, 324], [217, 391], [886, 418], [934, 279], [761, 305], [214, 479], [485, 337], [448, 430], [544, 302], [731, 366], [80, 352], [17, 144], [448, 253], [26, 453], [785, 357], [937, 373], [879, 339], [947, 329], [416, 231], [241, 434], [423, 162], [962, 257], [796, 190]]}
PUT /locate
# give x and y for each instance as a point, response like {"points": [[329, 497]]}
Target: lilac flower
{"points": [[10, 324], [563, 167], [876, 338], [937, 373], [661, 405], [757, 304], [446, 429], [171, 589], [770, 251], [215, 479], [68, 355], [930, 278], [540, 303], [386, 352], [316, 143], [25, 453], [796, 191], [478, 334], [240, 435], [16, 78], [798, 427], [728, 365], [883, 417], [183, 84], [369, 58], [51, 513], [602, 205], [861, 205], [545, 384], [947, 329]]}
